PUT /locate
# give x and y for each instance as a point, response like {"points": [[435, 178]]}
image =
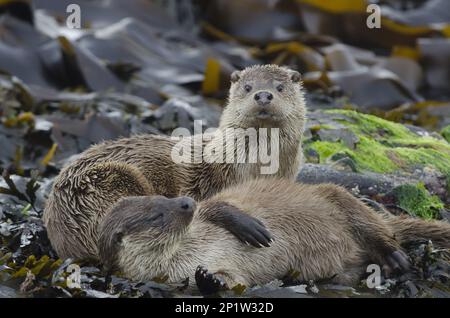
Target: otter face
{"points": [[264, 95], [149, 221]]}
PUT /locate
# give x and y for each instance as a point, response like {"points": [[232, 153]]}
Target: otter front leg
{"points": [[245, 227]]}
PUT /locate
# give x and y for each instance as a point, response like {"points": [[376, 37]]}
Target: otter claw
{"points": [[244, 227], [402, 259], [251, 231], [207, 283]]}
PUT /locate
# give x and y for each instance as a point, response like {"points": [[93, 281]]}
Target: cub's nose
{"points": [[187, 204], [263, 98]]}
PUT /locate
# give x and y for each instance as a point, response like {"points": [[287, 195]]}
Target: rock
{"points": [[91, 293], [7, 292], [182, 112], [364, 183], [173, 114], [334, 135], [379, 152], [416, 200], [432, 115]]}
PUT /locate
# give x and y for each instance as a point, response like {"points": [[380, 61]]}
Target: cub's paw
{"points": [[397, 262], [244, 227], [207, 283], [250, 230]]}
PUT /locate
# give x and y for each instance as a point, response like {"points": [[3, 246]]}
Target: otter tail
{"points": [[409, 229]]}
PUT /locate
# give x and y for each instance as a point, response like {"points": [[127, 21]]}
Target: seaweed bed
{"points": [[126, 72]]}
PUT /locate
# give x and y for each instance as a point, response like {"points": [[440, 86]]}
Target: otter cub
{"points": [[264, 96], [320, 231]]}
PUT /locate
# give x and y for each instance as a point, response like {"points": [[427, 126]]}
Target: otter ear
{"points": [[295, 76], [235, 76]]}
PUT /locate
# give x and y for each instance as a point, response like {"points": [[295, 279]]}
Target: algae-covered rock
{"points": [[375, 144], [417, 200], [348, 140], [445, 132]]}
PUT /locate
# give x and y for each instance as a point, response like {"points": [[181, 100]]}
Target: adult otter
{"points": [[265, 96], [321, 231]]}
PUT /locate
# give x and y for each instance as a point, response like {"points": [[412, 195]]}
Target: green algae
{"points": [[445, 132], [417, 200], [383, 146]]}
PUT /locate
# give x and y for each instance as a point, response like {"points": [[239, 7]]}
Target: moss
{"points": [[369, 155], [326, 149], [417, 200], [445, 132], [369, 124], [319, 127], [448, 183], [426, 157], [383, 146], [326, 127], [364, 157]]}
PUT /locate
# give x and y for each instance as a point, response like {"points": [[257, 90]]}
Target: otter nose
{"points": [[263, 98], [187, 204]]}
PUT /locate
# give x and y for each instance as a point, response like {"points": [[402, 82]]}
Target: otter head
{"points": [[143, 223], [264, 96]]}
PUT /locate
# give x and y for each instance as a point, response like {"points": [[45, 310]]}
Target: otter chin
{"points": [[269, 117], [266, 115]]}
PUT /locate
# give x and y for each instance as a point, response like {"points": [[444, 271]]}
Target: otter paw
{"points": [[251, 231], [397, 262], [207, 283]]}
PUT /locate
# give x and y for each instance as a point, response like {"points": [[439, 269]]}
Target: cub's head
{"points": [[137, 225], [264, 96]]}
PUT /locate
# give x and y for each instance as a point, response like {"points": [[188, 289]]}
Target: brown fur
{"points": [[86, 189], [321, 231]]}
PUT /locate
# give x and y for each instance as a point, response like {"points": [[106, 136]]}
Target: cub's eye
{"points": [[119, 237], [280, 88], [247, 88]]}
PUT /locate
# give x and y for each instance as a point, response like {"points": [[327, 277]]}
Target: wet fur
{"points": [[88, 188], [320, 231]]}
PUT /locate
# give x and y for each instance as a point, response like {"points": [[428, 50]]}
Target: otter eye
{"points": [[248, 88], [119, 237], [157, 217], [280, 88]]}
